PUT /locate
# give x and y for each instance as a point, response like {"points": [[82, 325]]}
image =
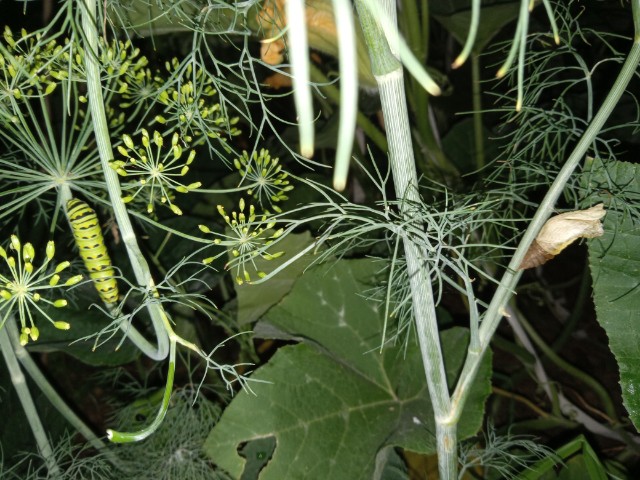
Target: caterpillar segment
{"points": [[90, 242]]}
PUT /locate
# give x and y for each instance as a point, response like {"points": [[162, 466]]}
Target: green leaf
{"points": [[85, 321], [334, 402], [255, 300], [614, 259]]}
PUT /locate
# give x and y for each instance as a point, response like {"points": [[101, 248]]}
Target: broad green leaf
{"points": [[614, 259], [255, 300], [334, 402]]}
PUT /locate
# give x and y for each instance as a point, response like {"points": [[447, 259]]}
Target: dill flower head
{"points": [[264, 177], [22, 286], [154, 170], [190, 102], [246, 237]]}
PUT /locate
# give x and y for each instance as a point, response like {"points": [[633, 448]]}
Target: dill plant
{"points": [[74, 105], [68, 95]]}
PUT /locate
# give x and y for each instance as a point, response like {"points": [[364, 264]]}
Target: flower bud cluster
{"points": [[22, 286]]}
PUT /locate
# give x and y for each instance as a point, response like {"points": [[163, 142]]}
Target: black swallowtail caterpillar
{"points": [[86, 230]]}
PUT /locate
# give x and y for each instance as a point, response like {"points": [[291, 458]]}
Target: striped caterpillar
{"points": [[86, 231]]}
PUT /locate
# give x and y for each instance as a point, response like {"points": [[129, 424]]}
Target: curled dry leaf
{"points": [[562, 230]]}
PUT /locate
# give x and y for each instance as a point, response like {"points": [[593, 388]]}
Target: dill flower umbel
{"points": [[157, 169], [22, 287], [246, 237], [264, 177]]}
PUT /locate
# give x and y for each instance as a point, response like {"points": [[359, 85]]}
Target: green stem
{"points": [[31, 412], [388, 73], [128, 437], [52, 395], [510, 278], [476, 92], [101, 129]]}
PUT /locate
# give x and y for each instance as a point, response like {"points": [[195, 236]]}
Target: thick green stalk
{"points": [[388, 73], [101, 129], [510, 278]]}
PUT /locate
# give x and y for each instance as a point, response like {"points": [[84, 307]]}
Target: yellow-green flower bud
{"points": [[28, 252], [61, 302], [50, 88], [6, 295], [36, 297], [157, 138], [34, 333], [51, 249], [53, 281], [61, 266], [3, 253], [73, 280], [127, 141], [175, 209], [28, 267], [61, 325], [15, 243], [24, 339], [204, 229]]}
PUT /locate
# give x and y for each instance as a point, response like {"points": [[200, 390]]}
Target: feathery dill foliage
{"points": [[448, 229], [559, 103], [175, 449], [75, 462], [47, 134], [503, 455]]}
